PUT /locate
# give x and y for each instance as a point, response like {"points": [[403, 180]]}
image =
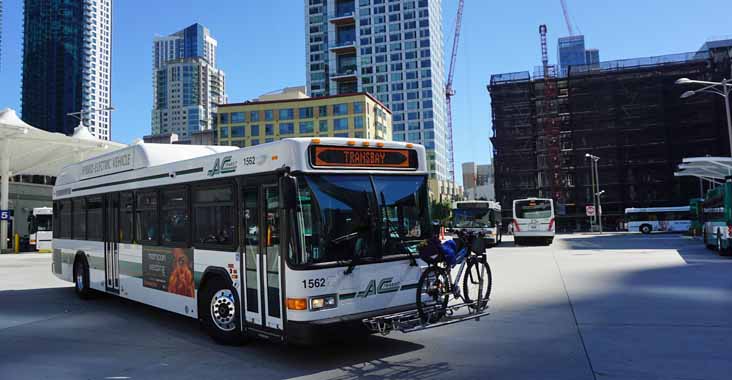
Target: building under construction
{"points": [[628, 113]]}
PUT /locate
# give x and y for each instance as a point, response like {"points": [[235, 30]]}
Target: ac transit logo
{"points": [[385, 285], [222, 166]]}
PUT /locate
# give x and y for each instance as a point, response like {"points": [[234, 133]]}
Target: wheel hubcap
{"points": [[223, 310]]}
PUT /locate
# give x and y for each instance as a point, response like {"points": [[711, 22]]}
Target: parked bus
{"points": [[478, 216], [717, 218], [297, 240], [696, 211], [40, 234], [533, 221], [658, 219]]}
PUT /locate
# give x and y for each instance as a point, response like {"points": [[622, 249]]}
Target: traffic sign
{"points": [[590, 210], [4, 214]]}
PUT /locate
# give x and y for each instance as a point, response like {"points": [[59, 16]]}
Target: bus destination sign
{"points": [[336, 156]]}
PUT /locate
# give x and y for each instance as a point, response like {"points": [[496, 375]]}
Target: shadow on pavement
{"points": [[51, 322]]}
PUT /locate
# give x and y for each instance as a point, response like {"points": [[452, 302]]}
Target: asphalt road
{"points": [[612, 307]]}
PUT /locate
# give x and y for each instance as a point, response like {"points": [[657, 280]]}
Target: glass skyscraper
{"points": [[66, 64], [392, 49], [187, 86]]}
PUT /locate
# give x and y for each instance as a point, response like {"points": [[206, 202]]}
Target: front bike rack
{"points": [[409, 321]]}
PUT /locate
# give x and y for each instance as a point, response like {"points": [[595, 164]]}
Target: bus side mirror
{"points": [[288, 192]]}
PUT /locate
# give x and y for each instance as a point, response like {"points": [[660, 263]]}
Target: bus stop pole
{"points": [[4, 188]]}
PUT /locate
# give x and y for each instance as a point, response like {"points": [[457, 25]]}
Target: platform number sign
{"points": [[4, 214]]}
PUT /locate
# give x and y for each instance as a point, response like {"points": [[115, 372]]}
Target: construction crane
{"points": [[449, 91], [566, 17]]}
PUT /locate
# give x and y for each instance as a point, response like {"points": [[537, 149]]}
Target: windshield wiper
{"points": [[392, 229]]}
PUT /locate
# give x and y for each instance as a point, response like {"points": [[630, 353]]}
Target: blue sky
{"points": [[262, 48]]}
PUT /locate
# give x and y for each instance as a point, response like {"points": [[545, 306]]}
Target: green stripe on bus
{"points": [[347, 296], [410, 286]]}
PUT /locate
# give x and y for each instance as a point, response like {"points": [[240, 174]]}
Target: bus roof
{"points": [[476, 204], [657, 209], [146, 165], [42, 211]]}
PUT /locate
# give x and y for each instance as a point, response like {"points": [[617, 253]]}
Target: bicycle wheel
{"points": [[432, 294], [477, 284]]}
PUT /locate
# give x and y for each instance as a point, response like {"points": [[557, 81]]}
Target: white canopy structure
{"points": [[28, 150], [712, 169]]}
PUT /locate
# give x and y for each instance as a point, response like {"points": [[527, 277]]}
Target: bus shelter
{"points": [[25, 149], [710, 169]]}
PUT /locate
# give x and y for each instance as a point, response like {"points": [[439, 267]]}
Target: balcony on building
{"points": [[346, 68], [345, 42], [345, 12]]}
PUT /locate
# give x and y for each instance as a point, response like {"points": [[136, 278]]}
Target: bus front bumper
{"points": [[335, 329]]}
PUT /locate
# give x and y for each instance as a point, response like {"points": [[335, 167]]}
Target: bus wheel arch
{"points": [[219, 307], [80, 275]]}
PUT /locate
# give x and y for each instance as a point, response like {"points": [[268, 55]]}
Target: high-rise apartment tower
{"points": [[391, 49], [187, 86], [67, 65]]}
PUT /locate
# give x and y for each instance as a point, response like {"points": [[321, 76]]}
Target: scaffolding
{"points": [[627, 112]]}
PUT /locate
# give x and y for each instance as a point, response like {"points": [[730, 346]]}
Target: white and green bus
{"points": [[40, 235], [478, 216], [294, 240]]}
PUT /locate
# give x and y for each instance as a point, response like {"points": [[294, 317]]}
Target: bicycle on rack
{"points": [[436, 287]]}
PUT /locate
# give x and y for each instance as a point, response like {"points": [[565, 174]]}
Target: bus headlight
{"points": [[323, 302]]}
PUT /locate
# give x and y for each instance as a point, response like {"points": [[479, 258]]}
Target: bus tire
{"points": [[219, 311], [516, 241], [645, 229], [81, 277]]}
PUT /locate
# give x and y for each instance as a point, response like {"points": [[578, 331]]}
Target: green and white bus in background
{"points": [[696, 210], [717, 218], [298, 240], [478, 216]]}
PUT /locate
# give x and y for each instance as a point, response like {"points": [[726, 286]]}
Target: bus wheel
{"points": [[81, 278], [646, 229], [219, 312]]}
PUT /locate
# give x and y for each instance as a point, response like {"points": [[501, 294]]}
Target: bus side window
{"points": [[214, 216], [78, 219], [146, 217], [174, 216], [126, 217], [94, 218]]}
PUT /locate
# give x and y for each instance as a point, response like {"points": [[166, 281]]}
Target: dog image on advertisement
{"points": [[181, 277]]}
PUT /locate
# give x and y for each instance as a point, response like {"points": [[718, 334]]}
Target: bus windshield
{"points": [[41, 223], [473, 218], [533, 209], [347, 217]]}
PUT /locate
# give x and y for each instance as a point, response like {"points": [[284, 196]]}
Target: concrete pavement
{"points": [[589, 307]]}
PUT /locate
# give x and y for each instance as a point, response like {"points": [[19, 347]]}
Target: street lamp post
{"points": [[595, 173], [80, 114], [723, 89]]}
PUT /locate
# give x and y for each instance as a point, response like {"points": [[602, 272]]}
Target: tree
{"points": [[440, 211]]}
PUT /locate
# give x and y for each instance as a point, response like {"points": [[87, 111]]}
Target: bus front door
{"points": [[262, 265], [111, 242]]}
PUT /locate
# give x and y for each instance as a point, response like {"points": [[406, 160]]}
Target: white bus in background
{"points": [[297, 240], [533, 221], [40, 224], [478, 216], [658, 219]]}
